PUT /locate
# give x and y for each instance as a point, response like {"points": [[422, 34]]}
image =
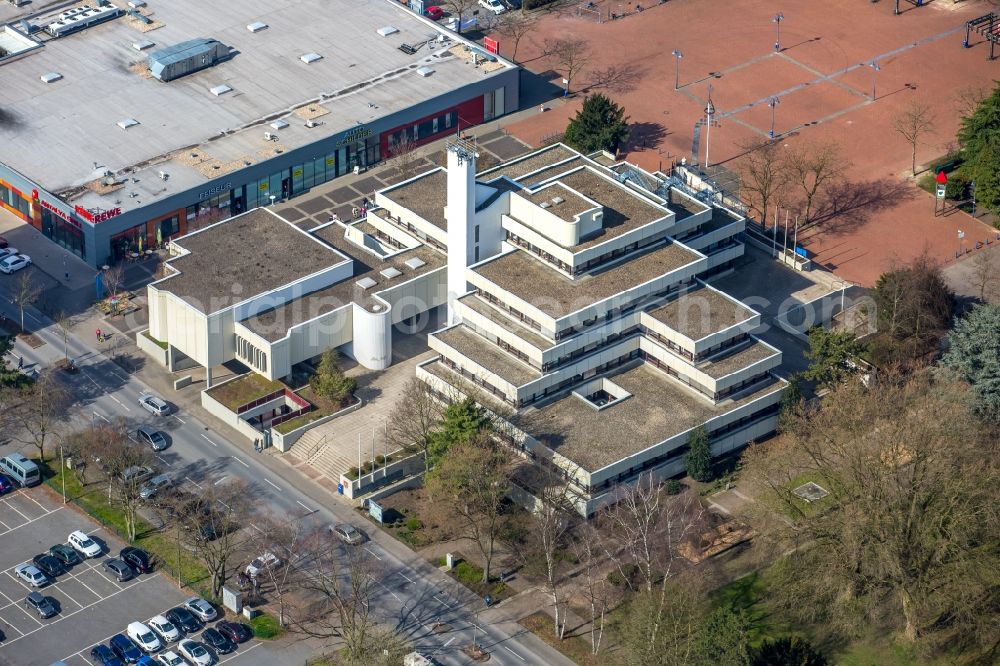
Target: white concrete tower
{"points": [[460, 215]]}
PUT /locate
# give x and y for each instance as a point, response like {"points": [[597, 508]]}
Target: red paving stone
{"points": [[729, 44]]}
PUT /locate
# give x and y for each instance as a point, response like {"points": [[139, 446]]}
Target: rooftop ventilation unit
{"points": [[143, 44], [312, 123], [557, 200], [81, 18], [366, 283], [187, 57], [387, 30], [135, 4], [256, 26], [220, 89], [50, 77], [310, 58], [425, 71], [125, 123], [140, 17], [545, 204], [415, 263], [279, 124], [390, 273]]}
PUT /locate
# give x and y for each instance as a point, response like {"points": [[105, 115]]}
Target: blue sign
{"points": [[375, 511], [801, 251]]}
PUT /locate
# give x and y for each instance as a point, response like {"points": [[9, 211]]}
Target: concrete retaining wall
{"points": [[228, 416], [394, 471], [153, 350], [283, 442]]}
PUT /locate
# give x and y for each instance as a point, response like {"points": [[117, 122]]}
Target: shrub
{"points": [[616, 577], [673, 487], [414, 524]]}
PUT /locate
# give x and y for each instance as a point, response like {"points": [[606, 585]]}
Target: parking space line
{"points": [[19, 606], [15, 510], [193, 481], [238, 653], [241, 462], [207, 439], [179, 418], [17, 527], [303, 505], [35, 501], [101, 574], [162, 460], [69, 615], [5, 525], [268, 481], [220, 481], [514, 653], [373, 553], [101, 416]]}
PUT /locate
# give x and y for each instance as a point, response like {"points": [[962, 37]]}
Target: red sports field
{"points": [[823, 80]]}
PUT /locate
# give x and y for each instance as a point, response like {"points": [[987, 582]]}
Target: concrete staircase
{"points": [[312, 448]]}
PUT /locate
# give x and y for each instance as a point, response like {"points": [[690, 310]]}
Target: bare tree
{"points": [[113, 279], [514, 26], [403, 155], [470, 485], [913, 122], [968, 98], [814, 168], [984, 276], [40, 412], [290, 542], [121, 463], [764, 175], [415, 416], [25, 293], [65, 322], [900, 539], [571, 54], [598, 592], [209, 522], [460, 8], [337, 598]]}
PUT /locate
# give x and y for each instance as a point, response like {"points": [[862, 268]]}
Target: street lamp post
{"points": [[778, 18], [62, 472], [875, 71], [709, 112], [773, 102], [677, 68]]}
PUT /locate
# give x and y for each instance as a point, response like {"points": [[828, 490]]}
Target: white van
{"points": [[24, 472], [143, 637]]}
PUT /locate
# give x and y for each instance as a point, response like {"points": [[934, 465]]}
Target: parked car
{"points": [[3, 242], [195, 652], [164, 628], [65, 554], [494, 6], [237, 631], [7, 484], [262, 564], [218, 641], [151, 488], [41, 604], [183, 619], [152, 437], [136, 558], [49, 565], [126, 650], [103, 656], [31, 575], [84, 545], [7, 251], [434, 13], [14, 263], [136, 473], [154, 404], [170, 658], [119, 569], [146, 660], [142, 636], [203, 610], [348, 533]]}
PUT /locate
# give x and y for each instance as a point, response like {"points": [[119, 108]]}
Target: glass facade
{"points": [[63, 233]]}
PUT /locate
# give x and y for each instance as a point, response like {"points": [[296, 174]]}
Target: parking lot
{"points": [[92, 605]]}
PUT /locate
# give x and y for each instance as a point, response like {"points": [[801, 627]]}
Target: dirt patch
{"points": [[576, 648], [408, 519]]}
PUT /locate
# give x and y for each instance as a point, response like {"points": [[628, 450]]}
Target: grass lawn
{"points": [[93, 499], [159, 343], [238, 392], [809, 508], [266, 627], [322, 407]]}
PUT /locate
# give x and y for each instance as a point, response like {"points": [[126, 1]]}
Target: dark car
{"points": [[40, 604], [126, 650], [103, 656], [183, 619], [6, 484], [218, 641], [65, 553], [136, 558], [50, 566], [120, 570], [236, 631]]}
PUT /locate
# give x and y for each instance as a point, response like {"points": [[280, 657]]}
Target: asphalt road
{"points": [[414, 595]]}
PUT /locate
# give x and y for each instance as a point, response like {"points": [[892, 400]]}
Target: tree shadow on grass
{"points": [[850, 205]]}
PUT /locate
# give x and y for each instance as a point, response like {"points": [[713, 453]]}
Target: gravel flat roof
{"points": [[571, 205], [624, 210], [658, 409], [529, 335], [556, 295], [242, 257], [700, 312], [533, 162], [488, 355], [426, 195], [733, 361], [274, 324]]}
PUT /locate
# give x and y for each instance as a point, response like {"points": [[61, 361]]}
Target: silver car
{"points": [[151, 437], [31, 575], [154, 404], [203, 610], [349, 534]]}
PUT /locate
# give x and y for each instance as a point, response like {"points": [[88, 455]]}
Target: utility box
{"points": [[186, 58]]}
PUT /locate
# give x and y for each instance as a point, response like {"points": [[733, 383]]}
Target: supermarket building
{"points": [[112, 144]]}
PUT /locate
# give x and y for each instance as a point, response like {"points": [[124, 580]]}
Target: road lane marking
{"points": [[514, 653], [193, 481], [116, 400], [240, 462], [101, 416], [207, 439], [303, 505], [441, 601], [179, 418], [448, 642], [373, 553], [162, 460], [405, 576], [268, 481], [220, 481]]}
